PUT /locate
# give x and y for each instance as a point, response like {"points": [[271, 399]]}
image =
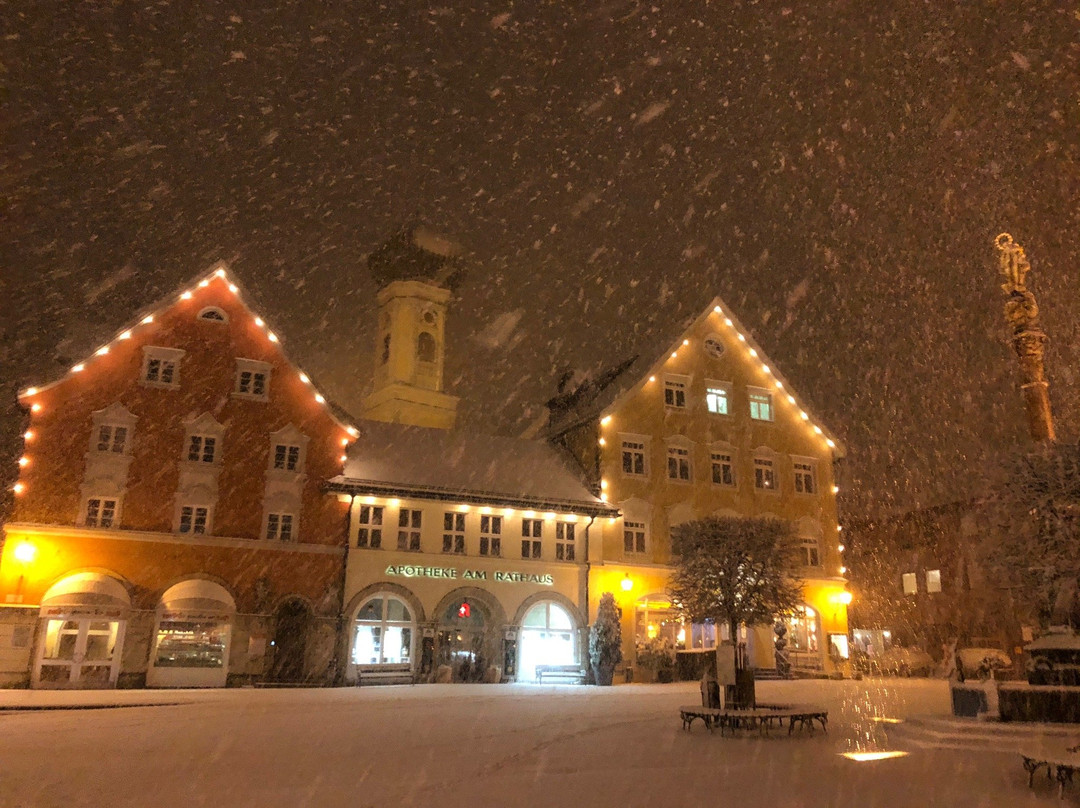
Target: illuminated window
{"points": [[194, 519], [161, 366], [717, 398], [761, 407], [678, 463], [532, 532], [408, 537], [279, 526], [910, 583], [491, 535], [634, 534], [764, 474], [723, 468], [805, 482], [453, 540], [369, 532], [202, 448], [112, 439], [675, 391], [100, 512], [286, 457], [564, 541], [635, 456], [933, 580], [383, 632]]}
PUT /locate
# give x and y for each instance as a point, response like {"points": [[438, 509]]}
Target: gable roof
{"points": [[217, 274], [404, 460], [595, 399]]}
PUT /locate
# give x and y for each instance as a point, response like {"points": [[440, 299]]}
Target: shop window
{"points": [[546, 638], [633, 536], [252, 379], [453, 540], [910, 583], [933, 580], [408, 537], [717, 398], [191, 643], [678, 464], [369, 530], [764, 474], [805, 482], [564, 541], [383, 632], [675, 391], [194, 519], [761, 405], [491, 536], [635, 456], [802, 631], [100, 512], [202, 448], [279, 526], [723, 468], [532, 532]]}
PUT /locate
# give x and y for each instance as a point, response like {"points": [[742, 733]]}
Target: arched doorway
{"points": [[292, 620], [463, 640], [83, 620], [384, 632], [192, 636], [547, 637]]}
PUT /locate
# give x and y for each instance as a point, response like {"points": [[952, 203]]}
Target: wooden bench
{"points": [[1059, 760], [760, 718], [398, 673], [572, 673]]}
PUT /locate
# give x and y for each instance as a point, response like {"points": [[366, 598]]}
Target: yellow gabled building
{"points": [[708, 427]]}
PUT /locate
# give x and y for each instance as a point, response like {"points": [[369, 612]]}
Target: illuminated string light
{"points": [[272, 336], [353, 431], [304, 378], [652, 378], [186, 296], [319, 398], [605, 420], [686, 342], [836, 489], [18, 488], [24, 461], [79, 368], [674, 354], [125, 335], [35, 408], [753, 353], [233, 288], [147, 319], [602, 442], [259, 322], [219, 273], [104, 349], [28, 435], [30, 391], [203, 284], [840, 548]]}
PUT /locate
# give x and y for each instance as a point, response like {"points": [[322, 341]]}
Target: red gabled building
{"points": [[170, 526]]}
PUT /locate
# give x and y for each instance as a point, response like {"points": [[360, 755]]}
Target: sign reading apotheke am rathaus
{"points": [[413, 571]]}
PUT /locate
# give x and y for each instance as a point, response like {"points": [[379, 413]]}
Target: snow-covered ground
{"points": [[483, 745]]}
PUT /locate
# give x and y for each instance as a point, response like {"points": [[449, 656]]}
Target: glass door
{"points": [[79, 652]]}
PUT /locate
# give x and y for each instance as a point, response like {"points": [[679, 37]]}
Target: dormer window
{"points": [[161, 366], [288, 451], [214, 315], [252, 379]]}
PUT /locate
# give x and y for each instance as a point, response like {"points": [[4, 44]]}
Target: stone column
{"points": [[1028, 339]]}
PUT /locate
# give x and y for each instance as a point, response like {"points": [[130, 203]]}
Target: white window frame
{"points": [[760, 459], [755, 406], [638, 444], [273, 528], [680, 450], [532, 538], [810, 551], [370, 523], [676, 384], [411, 531], [909, 582], [202, 436], [453, 534], [208, 527], [801, 468], [255, 368], [84, 519], [491, 533], [933, 581], [638, 534], [565, 541], [715, 392], [161, 354], [716, 454]]}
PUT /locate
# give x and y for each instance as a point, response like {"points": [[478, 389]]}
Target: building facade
{"points": [[170, 527], [709, 427]]}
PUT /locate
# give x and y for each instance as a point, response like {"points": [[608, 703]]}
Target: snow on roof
{"points": [[597, 396], [464, 466]]}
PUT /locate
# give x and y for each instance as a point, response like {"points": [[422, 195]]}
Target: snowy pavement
{"points": [[486, 745]]}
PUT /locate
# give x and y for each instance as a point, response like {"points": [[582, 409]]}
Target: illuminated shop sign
{"points": [[411, 571]]}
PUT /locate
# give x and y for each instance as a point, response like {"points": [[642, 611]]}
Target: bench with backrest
{"points": [[570, 673], [399, 673]]}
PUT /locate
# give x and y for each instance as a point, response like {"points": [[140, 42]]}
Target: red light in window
{"points": [[464, 610]]}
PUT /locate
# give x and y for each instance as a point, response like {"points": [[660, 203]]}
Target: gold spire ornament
{"points": [[1028, 339]]}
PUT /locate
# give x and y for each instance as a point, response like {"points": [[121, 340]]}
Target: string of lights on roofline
{"points": [[550, 516], [776, 382], [126, 334]]}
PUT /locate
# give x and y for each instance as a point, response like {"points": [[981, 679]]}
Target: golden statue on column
{"points": [[1029, 341]]}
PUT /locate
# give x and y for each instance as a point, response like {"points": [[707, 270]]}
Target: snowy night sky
{"points": [[836, 174]]}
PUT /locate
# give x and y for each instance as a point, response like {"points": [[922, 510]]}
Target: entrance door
{"points": [[463, 642], [290, 642], [80, 652]]}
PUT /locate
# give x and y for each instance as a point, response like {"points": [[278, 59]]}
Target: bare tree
{"points": [[735, 570]]}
